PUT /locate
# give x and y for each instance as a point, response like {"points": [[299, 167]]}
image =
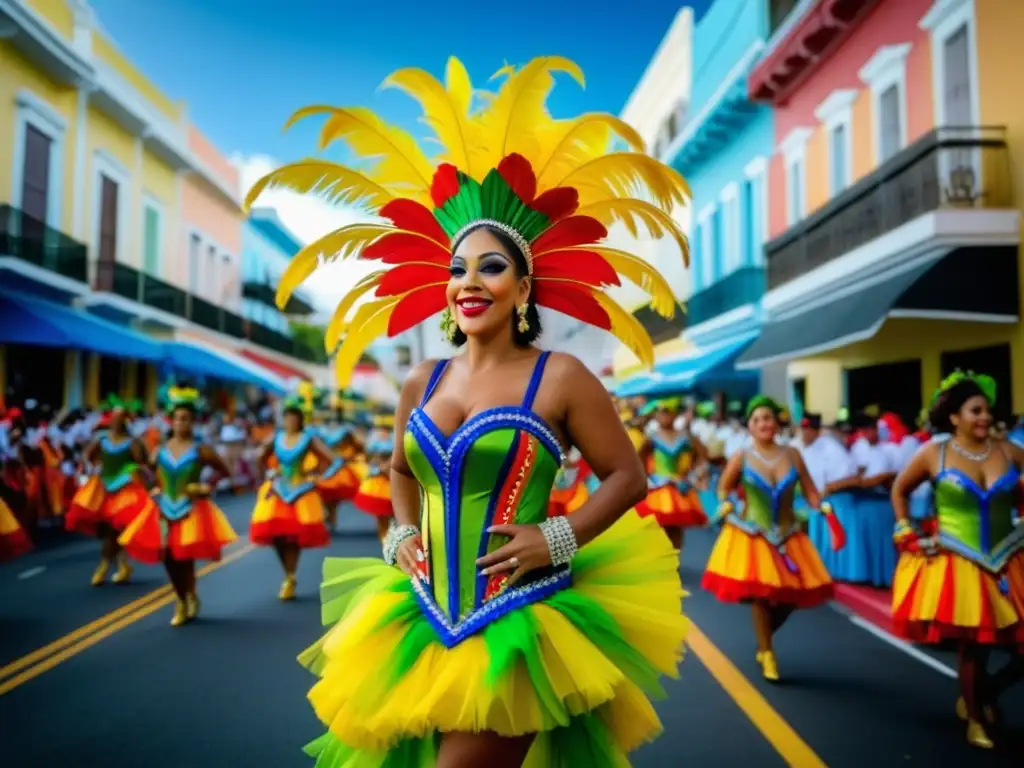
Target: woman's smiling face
{"points": [[484, 288]]}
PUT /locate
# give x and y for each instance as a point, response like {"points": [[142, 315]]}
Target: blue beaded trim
{"points": [[117, 483], [174, 509], [776, 536], [332, 469], [289, 494], [291, 456], [657, 482], [517, 597], [167, 460], [108, 445], [996, 560], [672, 449]]}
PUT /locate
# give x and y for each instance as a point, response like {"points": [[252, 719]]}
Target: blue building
{"points": [[267, 247], [723, 150]]}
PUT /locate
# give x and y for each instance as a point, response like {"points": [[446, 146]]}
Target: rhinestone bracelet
{"points": [[396, 535], [561, 539]]}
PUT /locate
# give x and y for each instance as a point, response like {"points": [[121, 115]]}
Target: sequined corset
{"points": [[175, 475], [116, 463], [974, 522], [673, 460], [768, 510], [291, 482], [497, 468]]}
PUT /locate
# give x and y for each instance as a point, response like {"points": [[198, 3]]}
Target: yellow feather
{"points": [[366, 326], [337, 324], [627, 329], [570, 143], [447, 117], [509, 123], [639, 213], [627, 174], [334, 245], [642, 274], [400, 164], [334, 183]]}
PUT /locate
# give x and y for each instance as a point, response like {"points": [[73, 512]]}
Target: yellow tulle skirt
{"points": [[745, 566], [576, 668]]}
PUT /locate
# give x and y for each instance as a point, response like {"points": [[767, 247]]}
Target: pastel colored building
{"points": [[894, 230]]}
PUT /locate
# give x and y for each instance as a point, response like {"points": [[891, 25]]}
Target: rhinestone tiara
{"points": [[517, 238]]}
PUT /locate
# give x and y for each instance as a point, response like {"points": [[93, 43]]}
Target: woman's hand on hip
{"points": [[411, 558], [527, 551]]}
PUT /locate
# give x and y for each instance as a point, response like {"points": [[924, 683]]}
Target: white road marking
{"points": [[31, 572], [906, 647]]}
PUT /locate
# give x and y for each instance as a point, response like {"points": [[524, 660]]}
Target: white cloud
{"points": [[309, 218]]}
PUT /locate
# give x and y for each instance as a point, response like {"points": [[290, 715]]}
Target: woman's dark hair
{"points": [[532, 315], [190, 407], [950, 402], [297, 411]]}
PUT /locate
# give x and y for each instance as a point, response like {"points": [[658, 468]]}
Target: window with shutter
{"points": [[212, 276], [795, 188], [151, 240], [35, 176], [194, 266], [890, 131], [957, 75], [838, 159]]}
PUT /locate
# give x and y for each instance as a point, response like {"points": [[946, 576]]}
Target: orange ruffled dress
{"points": [[114, 497], [973, 589], [763, 554], [570, 491], [14, 542], [374, 495], [343, 484], [289, 505], [178, 524], [670, 496]]}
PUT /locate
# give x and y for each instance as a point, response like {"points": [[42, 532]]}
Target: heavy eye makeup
{"points": [[489, 264]]}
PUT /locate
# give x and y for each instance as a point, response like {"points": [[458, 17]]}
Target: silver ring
{"points": [[513, 562]]}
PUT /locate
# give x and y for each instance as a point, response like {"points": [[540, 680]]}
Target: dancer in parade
{"points": [[114, 495], [762, 556], [14, 542], [571, 487], [342, 485], [289, 515], [675, 456], [184, 525], [960, 575], [374, 494], [480, 648]]}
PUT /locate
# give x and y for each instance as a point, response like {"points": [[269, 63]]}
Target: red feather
{"points": [[414, 217], [586, 266], [576, 230], [518, 174], [402, 247], [557, 203], [417, 307], [410, 276], [445, 184], [573, 301]]}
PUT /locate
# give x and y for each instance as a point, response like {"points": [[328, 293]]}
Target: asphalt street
{"points": [[97, 677]]}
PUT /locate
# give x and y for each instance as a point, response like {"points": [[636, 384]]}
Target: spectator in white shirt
{"points": [[828, 462]]}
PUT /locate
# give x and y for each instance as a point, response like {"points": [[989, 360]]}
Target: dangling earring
{"points": [[524, 324], [448, 326]]}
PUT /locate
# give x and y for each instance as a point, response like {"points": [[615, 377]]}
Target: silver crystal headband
{"points": [[516, 238]]}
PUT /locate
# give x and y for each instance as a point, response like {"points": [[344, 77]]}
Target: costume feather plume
{"points": [[571, 143], [627, 329], [641, 274], [370, 322], [337, 326], [637, 215], [622, 174], [334, 183]]}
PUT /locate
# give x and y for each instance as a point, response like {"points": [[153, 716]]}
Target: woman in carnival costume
{"points": [[762, 555], [503, 637], [675, 455], [289, 515], [960, 577], [14, 542], [184, 525], [572, 485], [114, 495], [374, 494], [341, 485]]}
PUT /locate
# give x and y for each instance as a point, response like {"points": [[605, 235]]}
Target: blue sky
{"points": [[244, 65]]}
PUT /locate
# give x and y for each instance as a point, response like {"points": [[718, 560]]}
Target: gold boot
{"points": [[192, 605], [759, 656], [287, 588], [180, 614], [988, 712], [977, 737], [124, 571], [99, 576], [769, 667]]}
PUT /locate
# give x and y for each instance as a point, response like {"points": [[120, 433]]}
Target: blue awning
{"points": [[41, 323], [683, 374], [192, 360]]}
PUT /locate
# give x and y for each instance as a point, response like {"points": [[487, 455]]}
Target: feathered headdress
{"points": [[763, 401], [554, 186], [183, 396], [986, 384], [304, 398], [116, 403]]}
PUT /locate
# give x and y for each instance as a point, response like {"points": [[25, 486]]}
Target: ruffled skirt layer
{"points": [[948, 597], [201, 535], [14, 542], [93, 506], [301, 522], [576, 668], [745, 567], [341, 486], [565, 502], [671, 507], [374, 496]]}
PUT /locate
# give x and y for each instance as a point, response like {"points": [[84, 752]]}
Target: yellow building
{"points": [[894, 195]]}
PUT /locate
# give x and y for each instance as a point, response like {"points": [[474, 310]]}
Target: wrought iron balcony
{"points": [[743, 286], [265, 293], [948, 168], [658, 328], [28, 239]]}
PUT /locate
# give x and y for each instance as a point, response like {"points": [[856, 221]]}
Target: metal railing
{"points": [[743, 286], [31, 240], [948, 168]]}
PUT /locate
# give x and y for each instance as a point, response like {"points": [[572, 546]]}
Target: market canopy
{"points": [[685, 373], [190, 359]]}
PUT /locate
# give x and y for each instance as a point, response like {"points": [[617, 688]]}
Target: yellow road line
{"points": [[71, 645], [786, 741]]}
